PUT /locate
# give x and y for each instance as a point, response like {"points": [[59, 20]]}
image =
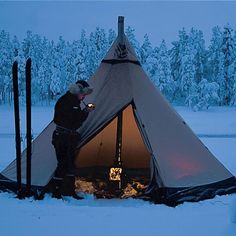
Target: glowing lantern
{"points": [[115, 174]]}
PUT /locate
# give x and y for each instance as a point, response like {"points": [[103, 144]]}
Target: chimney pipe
{"points": [[121, 29]]}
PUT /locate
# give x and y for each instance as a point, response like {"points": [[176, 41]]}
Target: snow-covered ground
{"points": [[217, 130]]}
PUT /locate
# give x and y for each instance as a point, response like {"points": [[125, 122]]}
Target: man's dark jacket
{"points": [[68, 113]]}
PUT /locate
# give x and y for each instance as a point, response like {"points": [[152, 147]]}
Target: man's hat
{"points": [[80, 87]]}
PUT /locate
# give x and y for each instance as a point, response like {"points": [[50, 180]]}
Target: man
{"points": [[68, 117]]}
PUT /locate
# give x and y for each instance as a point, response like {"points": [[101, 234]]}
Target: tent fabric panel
{"points": [[43, 160], [109, 100], [101, 150], [182, 159], [154, 167], [112, 54], [134, 152], [175, 196]]}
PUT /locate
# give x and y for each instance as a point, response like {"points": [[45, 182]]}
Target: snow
{"points": [[215, 121], [116, 217], [41, 116], [103, 217]]}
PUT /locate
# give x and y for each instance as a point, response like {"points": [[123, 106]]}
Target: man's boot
{"points": [[69, 187], [57, 188]]}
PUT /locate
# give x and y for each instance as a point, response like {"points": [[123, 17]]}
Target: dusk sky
{"points": [[160, 20]]}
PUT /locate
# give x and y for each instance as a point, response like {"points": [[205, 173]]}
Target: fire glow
{"points": [[185, 167]]}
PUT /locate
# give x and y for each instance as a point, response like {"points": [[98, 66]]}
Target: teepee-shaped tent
{"points": [[154, 136]]}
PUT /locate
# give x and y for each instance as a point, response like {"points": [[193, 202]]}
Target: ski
{"points": [[28, 127], [17, 128]]}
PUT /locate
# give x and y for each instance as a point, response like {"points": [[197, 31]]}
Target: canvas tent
{"points": [[155, 137]]}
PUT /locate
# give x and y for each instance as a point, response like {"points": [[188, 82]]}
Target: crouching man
{"points": [[68, 117]]}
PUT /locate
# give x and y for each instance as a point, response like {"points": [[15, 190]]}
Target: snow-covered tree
{"points": [[215, 69], [228, 49], [187, 67], [111, 37], [6, 60], [82, 59], [175, 62], [203, 95], [27, 44], [60, 52], [98, 46], [55, 84], [145, 50], [177, 54], [199, 53], [71, 66], [80, 62], [163, 73], [129, 32], [152, 65], [180, 69], [233, 99]]}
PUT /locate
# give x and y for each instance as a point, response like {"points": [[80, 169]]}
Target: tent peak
{"points": [[121, 29]]}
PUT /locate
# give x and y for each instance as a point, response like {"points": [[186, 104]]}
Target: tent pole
{"points": [[119, 138], [119, 141]]}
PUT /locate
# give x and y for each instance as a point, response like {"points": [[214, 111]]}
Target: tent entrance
{"points": [[97, 157]]}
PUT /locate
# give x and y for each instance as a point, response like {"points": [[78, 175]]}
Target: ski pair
{"points": [[20, 192]]}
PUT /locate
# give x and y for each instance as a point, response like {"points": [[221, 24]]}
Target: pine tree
{"points": [[228, 49], [163, 74], [60, 52], [199, 53], [233, 99], [6, 60], [175, 62], [129, 32], [215, 62], [145, 50], [186, 72], [205, 94], [19, 57], [82, 58], [111, 37], [177, 53], [98, 46], [48, 62], [27, 44], [152, 66], [71, 66], [55, 82]]}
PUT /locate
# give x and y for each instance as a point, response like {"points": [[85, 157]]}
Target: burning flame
{"points": [[115, 174]]}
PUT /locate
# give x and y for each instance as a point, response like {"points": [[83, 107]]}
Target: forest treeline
{"points": [[187, 72]]}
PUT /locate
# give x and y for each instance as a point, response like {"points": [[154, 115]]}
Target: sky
{"points": [[160, 20]]}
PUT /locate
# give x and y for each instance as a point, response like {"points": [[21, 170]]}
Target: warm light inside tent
{"points": [[115, 174], [98, 166], [100, 151]]}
